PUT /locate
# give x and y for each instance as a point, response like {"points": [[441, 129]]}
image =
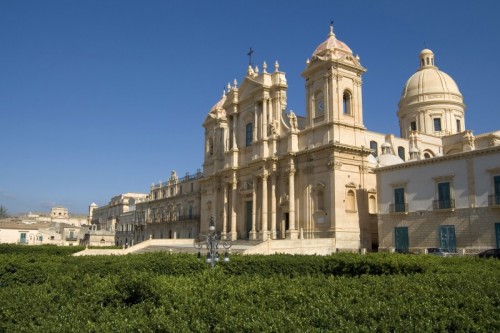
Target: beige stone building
{"points": [[172, 210], [269, 173]]}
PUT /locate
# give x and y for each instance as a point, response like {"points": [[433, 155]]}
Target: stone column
{"points": [[326, 97], [253, 232], [273, 206], [265, 102], [224, 210], [292, 231], [265, 147], [235, 130], [234, 200], [256, 122], [264, 229]]}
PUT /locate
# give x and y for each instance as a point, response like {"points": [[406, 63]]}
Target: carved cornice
{"points": [[443, 178], [402, 183]]}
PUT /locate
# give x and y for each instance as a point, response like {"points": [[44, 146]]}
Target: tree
{"points": [[3, 212]]}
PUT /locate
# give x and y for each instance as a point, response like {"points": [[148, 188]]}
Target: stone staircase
{"points": [[320, 246], [238, 246]]}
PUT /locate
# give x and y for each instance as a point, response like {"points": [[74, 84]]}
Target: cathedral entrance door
{"points": [[248, 218]]}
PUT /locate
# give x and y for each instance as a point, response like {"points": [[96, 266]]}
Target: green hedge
{"points": [[159, 292]]}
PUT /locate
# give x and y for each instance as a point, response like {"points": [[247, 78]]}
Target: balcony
{"points": [[494, 200], [71, 239], [443, 204], [176, 219], [398, 208]]}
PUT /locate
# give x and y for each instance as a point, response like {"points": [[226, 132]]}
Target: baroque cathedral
{"points": [[271, 174]]}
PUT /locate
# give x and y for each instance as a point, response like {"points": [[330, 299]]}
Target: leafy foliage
{"points": [[160, 292]]}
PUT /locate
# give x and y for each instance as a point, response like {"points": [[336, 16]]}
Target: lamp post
{"points": [[212, 241]]}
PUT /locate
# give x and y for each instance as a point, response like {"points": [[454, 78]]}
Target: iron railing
{"points": [[443, 204], [398, 208], [494, 200]]}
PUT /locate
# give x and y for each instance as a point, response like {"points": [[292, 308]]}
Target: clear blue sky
{"points": [[103, 97]]}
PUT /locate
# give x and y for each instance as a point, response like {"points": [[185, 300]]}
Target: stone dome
{"points": [[217, 111], [219, 105], [331, 47], [386, 158], [431, 102], [429, 80]]}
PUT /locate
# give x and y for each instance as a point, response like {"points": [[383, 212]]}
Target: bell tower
{"points": [[333, 88]]}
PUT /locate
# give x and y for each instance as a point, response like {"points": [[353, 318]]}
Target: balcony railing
{"points": [[71, 239], [443, 204], [176, 219], [398, 208], [494, 200]]}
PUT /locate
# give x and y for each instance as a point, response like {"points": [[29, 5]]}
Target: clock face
{"points": [[321, 106]]}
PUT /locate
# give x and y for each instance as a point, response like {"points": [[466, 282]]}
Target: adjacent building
{"points": [[56, 228]]}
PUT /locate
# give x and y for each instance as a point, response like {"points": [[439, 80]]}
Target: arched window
{"points": [[350, 201], [372, 204], [427, 155], [347, 102], [211, 146], [249, 134], [320, 196], [401, 153], [374, 148]]}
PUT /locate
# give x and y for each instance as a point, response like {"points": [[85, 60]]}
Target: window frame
{"points": [[347, 102], [248, 134], [438, 126]]}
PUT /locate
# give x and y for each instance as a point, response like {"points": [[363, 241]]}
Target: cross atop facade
{"points": [[249, 54]]}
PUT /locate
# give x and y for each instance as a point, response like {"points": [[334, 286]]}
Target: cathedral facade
{"points": [[269, 173]]}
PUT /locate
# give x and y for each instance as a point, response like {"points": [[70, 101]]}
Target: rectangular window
{"points": [[413, 125], [192, 187], [459, 126], [249, 134], [402, 153], [437, 124], [374, 148], [22, 238], [444, 195], [399, 200]]}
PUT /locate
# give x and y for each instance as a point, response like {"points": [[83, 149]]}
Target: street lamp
{"points": [[211, 241]]}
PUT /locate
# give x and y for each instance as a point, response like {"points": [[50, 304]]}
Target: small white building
{"points": [[452, 202]]}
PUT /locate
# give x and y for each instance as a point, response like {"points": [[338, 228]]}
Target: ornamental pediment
{"points": [[246, 186]]}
